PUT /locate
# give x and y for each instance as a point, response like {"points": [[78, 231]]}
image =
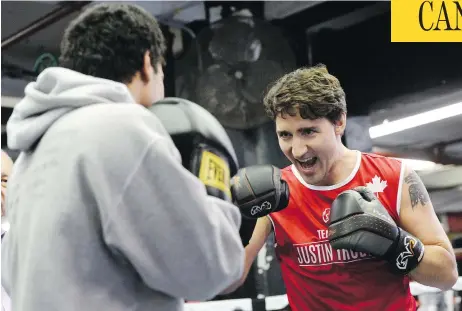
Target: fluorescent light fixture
{"points": [[419, 165], [390, 127]]}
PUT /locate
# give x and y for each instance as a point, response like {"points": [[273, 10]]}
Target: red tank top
{"points": [[318, 277]]}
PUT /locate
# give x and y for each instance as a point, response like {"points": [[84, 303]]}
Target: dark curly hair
{"points": [[109, 41], [313, 92]]}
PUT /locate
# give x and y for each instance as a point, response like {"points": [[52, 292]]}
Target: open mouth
{"points": [[308, 163]]}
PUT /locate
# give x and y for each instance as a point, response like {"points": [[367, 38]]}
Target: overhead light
{"points": [[390, 127], [419, 165]]}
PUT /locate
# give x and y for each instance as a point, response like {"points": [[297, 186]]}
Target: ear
{"points": [[340, 125], [147, 67]]}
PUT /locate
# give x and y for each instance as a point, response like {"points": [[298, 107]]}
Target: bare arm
{"points": [[259, 236], [438, 267]]}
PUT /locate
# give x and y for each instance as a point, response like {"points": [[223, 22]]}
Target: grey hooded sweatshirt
{"points": [[103, 215]]}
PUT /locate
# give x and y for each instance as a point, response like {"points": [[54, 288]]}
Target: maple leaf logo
{"points": [[377, 185]]}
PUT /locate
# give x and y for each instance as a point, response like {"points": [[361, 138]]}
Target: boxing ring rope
{"points": [[279, 302]]}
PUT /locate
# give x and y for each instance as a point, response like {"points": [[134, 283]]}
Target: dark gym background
{"points": [[381, 79]]}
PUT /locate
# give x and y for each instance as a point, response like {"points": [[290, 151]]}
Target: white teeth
{"points": [[306, 160]]}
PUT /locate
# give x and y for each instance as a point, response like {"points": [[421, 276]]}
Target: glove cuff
{"points": [[406, 254]]}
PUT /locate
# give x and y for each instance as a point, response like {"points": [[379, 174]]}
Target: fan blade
{"points": [[257, 77], [234, 41], [219, 92]]}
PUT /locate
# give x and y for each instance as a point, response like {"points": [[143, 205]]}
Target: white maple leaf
{"points": [[377, 185]]}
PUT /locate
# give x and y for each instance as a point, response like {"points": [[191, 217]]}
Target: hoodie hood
{"points": [[56, 92]]}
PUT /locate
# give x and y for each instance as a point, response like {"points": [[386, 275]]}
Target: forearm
{"points": [[251, 253], [437, 269], [259, 237]]}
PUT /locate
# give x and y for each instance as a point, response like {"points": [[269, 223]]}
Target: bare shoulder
{"points": [[414, 195], [417, 214], [416, 191]]}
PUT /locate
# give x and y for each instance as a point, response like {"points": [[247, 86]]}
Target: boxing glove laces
{"points": [[358, 221], [259, 190]]}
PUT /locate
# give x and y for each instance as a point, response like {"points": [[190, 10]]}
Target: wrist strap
{"points": [[407, 254]]}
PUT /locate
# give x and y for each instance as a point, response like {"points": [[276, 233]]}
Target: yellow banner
{"points": [[426, 21]]}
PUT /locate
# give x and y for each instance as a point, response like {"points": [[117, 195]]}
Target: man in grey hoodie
{"points": [[103, 215]]}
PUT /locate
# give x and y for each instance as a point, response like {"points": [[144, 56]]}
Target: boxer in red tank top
{"points": [[337, 279], [309, 109]]}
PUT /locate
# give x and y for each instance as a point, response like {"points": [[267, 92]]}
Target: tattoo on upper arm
{"points": [[417, 191]]}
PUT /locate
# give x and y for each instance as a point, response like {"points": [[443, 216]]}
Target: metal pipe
{"points": [[43, 22]]}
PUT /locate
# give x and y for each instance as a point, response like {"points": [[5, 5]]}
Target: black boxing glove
{"points": [[212, 166], [205, 147], [259, 190], [358, 221]]}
